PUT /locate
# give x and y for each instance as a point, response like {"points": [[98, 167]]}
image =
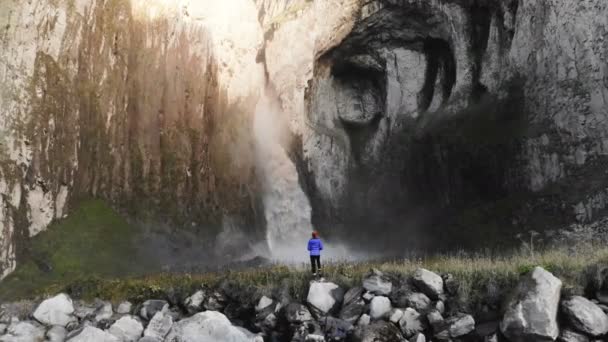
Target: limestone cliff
{"points": [[142, 103]]}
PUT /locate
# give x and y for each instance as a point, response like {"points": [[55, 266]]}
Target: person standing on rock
{"points": [[315, 246]]}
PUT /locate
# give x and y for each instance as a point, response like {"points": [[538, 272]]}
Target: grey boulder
{"points": [[585, 316], [127, 329], [429, 283], [209, 326], [150, 307], [568, 335], [56, 334], [159, 326], [531, 311], [324, 297], [90, 334], [296, 313], [378, 284], [380, 308], [24, 331], [411, 323]]}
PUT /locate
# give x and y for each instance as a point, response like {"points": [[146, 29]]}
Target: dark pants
{"points": [[315, 262]]}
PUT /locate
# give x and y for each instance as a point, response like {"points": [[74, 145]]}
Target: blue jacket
{"points": [[315, 246]]}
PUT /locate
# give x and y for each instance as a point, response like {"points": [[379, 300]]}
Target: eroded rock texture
{"points": [[142, 103], [448, 117]]}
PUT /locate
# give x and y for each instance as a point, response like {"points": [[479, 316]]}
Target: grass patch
{"points": [[94, 241], [479, 277]]}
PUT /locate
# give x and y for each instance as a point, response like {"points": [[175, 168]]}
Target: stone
{"points": [[57, 333], [450, 284], [531, 310], [395, 316], [194, 303], [24, 331], [90, 334], [435, 319], [567, 335], [419, 337], [585, 316], [368, 296], [380, 308], [124, 308], [378, 284], [352, 295], [324, 297], [418, 301], [296, 313], [216, 301], [103, 312], [159, 326], [429, 283], [461, 325], [336, 329], [210, 326], [440, 306], [411, 323], [491, 338], [264, 303], [364, 320], [353, 311], [3, 328], [127, 329], [309, 331], [379, 331], [84, 310], [150, 307], [58, 310]]}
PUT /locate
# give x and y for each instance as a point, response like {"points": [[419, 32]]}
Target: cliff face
{"points": [[438, 116], [459, 118], [141, 103]]}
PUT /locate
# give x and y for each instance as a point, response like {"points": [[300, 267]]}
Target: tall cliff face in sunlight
{"points": [[143, 103], [419, 118]]}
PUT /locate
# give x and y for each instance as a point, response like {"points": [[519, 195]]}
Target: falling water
{"points": [[287, 209]]}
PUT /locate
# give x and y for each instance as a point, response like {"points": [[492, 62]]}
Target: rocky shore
{"points": [[417, 308]]}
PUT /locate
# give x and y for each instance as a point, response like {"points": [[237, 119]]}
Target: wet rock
{"points": [[124, 308], [378, 284], [127, 329], [380, 308], [418, 301], [56, 334], [194, 303], [429, 283], [353, 311], [25, 331], [296, 313], [411, 323], [531, 311], [159, 326], [567, 335], [150, 307], [585, 316], [379, 331], [90, 334], [324, 297], [58, 310], [210, 326]]}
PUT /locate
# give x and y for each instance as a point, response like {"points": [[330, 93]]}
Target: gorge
{"points": [[388, 125]]}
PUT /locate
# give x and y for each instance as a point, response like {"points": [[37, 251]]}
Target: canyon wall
{"points": [[143, 103]]}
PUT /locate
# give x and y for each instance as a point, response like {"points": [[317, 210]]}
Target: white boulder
{"points": [[23, 332], [585, 316], [127, 329], [58, 310], [380, 308], [324, 296], [430, 283], [209, 326], [531, 312]]}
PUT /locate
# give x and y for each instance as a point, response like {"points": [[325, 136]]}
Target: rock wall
{"points": [[139, 102], [444, 116]]}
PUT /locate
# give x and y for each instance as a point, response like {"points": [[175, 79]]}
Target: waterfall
{"points": [[286, 207]]}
